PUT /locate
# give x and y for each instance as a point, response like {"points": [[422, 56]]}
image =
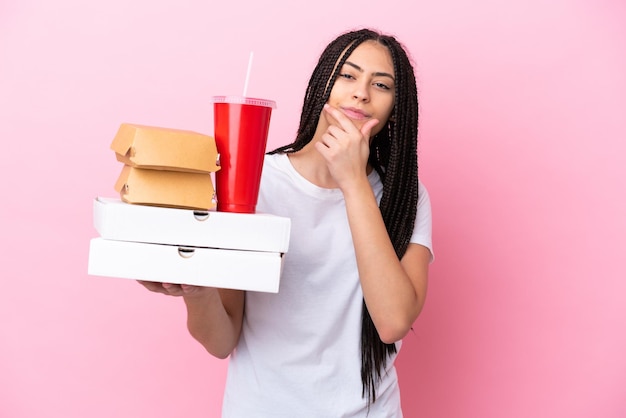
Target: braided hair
{"points": [[393, 154]]}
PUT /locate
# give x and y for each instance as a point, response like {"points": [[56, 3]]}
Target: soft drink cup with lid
{"points": [[241, 127]]}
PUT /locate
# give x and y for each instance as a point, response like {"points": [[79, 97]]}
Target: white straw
{"points": [[245, 86]]}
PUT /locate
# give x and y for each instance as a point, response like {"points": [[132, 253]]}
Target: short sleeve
{"points": [[423, 228]]}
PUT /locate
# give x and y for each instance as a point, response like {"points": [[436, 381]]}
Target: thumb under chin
{"points": [[366, 129]]}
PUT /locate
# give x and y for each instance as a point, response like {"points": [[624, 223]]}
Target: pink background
{"points": [[522, 147]]}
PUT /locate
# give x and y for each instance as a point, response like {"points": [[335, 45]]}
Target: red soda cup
{"points": [[241, 126]]}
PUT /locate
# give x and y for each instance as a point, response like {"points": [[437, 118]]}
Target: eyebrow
{"points": [[375, 74]]}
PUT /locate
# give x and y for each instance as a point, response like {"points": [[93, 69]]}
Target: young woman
{"points": [[355, 277]]}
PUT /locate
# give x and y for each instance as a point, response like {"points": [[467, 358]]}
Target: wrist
{"points": [[357, 188], [199, 294]]}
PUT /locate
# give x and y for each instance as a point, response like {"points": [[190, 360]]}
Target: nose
{"points": [[361, 92]]}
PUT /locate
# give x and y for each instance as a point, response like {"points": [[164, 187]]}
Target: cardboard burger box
{"points": [[159, 148], [165, 167], [166, 188], [175, 245]]}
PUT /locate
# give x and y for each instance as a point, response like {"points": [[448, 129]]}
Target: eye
{"points": [[382, 86], [346, 76]]}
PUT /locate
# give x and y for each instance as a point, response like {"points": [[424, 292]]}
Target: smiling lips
{"points": [[354, 113]]}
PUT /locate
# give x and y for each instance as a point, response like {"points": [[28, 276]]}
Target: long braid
{"points": [[393, 154], [402, 165], [398, 204]]}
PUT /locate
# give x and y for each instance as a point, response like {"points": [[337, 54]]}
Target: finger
{"points": [[333, 132], [189, 289], [367, 127], [155, 287], [152, 286], [323, 149], [342, 120], [172, 289]]}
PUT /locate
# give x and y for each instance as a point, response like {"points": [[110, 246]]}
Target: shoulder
{"points": [[272, 159], [278, 162], [422, 229], [272, 166], [422, 194]]}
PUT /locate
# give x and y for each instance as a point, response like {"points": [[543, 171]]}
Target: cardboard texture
{"points": [[166, 188], [117, 220], [165, 149], [230, 269]]}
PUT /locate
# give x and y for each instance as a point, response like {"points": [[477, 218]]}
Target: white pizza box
{"points": [[230, 269], [118, 220]]}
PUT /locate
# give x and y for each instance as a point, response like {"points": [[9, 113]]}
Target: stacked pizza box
{"points": [[163, 226]]}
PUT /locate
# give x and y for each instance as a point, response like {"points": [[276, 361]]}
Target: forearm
{"points": [[214, 319], [390, 294]]}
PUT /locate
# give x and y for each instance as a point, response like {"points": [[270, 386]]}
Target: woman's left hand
{"points": [[345, 147]]}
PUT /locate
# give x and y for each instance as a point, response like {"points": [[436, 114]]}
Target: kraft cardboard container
{"points": [[117, 220], [166, 188], [165, 149], [230, 269]]}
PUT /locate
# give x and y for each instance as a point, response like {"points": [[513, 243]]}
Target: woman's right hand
{"points": [[172, 289]]}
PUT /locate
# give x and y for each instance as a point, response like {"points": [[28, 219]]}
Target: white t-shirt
{"points": [[299, 351]]}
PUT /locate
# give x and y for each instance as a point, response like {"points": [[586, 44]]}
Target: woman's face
{"points": [[365, 86]]}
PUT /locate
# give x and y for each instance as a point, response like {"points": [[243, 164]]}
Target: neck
{"points": [[310, 164]]}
